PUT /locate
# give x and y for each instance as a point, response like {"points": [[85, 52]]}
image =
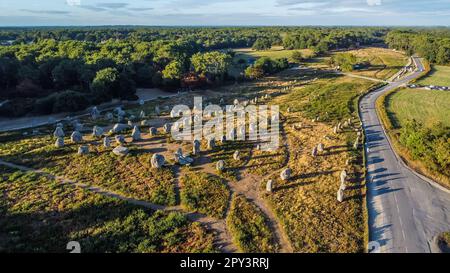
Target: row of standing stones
{"points": [[158, 161]]}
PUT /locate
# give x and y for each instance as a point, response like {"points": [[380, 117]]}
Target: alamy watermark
{"points": [[241, 121]]}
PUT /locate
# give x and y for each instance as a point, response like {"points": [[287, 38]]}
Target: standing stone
{"points": [[76, 137], [157, 110], [258, 147], [119, 128], [320, 148], [336, 130], [95, 113], [220, 166], [356, 144], [223, 139], [196, 147], [343, 176], [237, 156], [177, 155], [269, 186], [78, 127], [314, 152], [211, 144], [97, 131], [82, 150], [106, 142], [119, 139], [121, 151], [157, 161], [109, 116], [59, 142], [289, 109], [340, 196], [58, 132], [130, 123], [136, 134], [286, 174], [167, 128], [153, 131]]}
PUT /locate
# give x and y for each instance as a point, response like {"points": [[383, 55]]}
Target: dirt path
{"points": [[248, 185], [223, 239]]}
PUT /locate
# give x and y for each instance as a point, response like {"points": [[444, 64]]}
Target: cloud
{"points": [[46, 11], [92, 8], [283, 3], [374, 2], [112, 5], [140, 9], [73, 2]]}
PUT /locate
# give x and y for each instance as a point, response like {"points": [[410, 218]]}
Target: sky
{"points": [[224, 12]]}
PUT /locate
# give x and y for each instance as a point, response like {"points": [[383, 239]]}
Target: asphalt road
{"points": [[11, 124], [406, 210]]}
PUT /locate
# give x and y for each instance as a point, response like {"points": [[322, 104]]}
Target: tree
{"points": [[211, 64], [443, 55], [262, 44], [70, 101], [173, 71], [144, 75], [127, 86], [65, 74], [254, 72], [297, 56], [106, 85]]}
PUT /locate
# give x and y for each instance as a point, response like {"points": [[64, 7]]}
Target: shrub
{"points": [[70, 101]]}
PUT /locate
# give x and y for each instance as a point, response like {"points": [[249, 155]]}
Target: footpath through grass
{"points": [[249, 227]]}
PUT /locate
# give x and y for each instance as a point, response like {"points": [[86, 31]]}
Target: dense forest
{"points": [[432, 44], [47, 70]]}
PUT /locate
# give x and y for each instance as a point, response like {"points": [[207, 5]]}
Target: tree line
{"points": [[432, 44]]}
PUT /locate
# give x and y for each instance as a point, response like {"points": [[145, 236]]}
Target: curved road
{"points": [[406, 210]]}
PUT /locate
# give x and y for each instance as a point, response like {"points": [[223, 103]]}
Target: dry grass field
{"points": [[301, 215]]}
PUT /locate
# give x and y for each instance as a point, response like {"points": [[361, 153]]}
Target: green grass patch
{"points": [[249, 227], [428, 107], [131, 176], [439, 75], [38, 214], [204, 193], [331, 98]]}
